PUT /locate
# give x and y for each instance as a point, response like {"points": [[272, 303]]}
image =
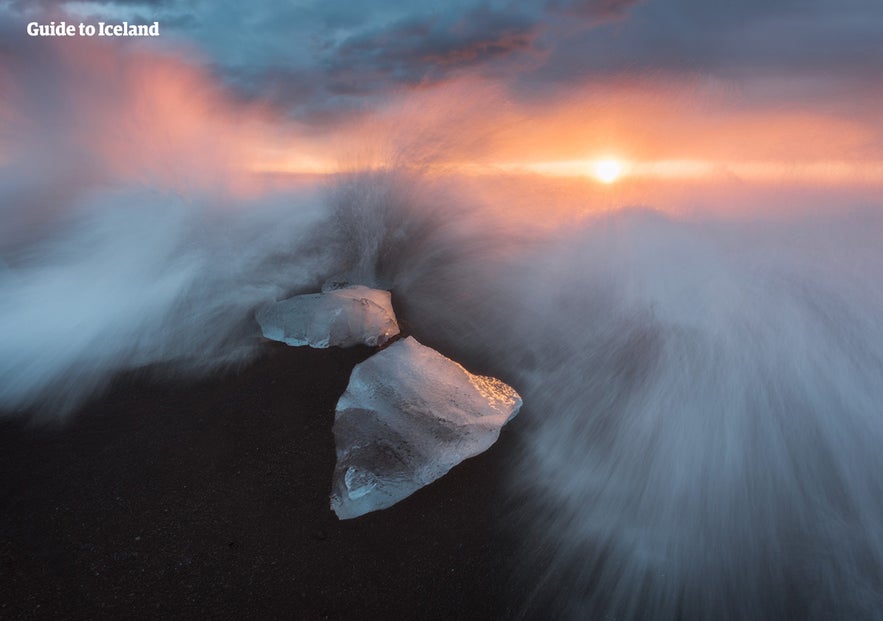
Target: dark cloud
{"points": [[786, 38], [22, 5], [317, 56], [349, 64], [299, 93], [593, 9], [418, 50]]}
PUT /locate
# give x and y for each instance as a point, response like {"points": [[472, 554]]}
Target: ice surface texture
{"points": [[408, 416], [353, 315]]}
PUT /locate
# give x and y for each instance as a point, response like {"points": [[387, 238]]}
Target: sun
{"points": [[607, 170]]}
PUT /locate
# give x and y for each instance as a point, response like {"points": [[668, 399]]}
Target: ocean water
{"points": [[703, 400], [702, 376], [703, 420]]}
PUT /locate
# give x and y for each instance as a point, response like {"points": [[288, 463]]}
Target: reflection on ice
{"points": [[344, 317], [407, 417]]}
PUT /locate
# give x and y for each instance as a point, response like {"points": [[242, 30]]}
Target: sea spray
{"points": [[702, 429], [703, 397], [703, 410], [144, 278], [703, 394]]}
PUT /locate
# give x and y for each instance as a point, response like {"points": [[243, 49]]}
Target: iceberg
{"points": [[353, 315], [409, 414]]}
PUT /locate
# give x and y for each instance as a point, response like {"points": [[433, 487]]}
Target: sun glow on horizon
{"points": [[607, 170]]}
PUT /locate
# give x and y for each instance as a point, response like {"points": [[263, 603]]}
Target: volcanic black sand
{"points": [[209, 499]]}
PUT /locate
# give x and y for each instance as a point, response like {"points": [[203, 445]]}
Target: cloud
{"points": [[594, 9], [344, 66], [731, 40], [79, 7], [417, 50], [323, 58], [319, 57]]}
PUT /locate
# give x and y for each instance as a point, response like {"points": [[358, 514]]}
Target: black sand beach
{"points": [[209, 499]]}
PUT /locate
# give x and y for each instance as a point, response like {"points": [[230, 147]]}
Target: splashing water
{"points": [[703, 396], [703, 402]]}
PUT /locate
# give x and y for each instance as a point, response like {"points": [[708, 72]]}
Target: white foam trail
{"points": [[703, 397], [127, 238], [703, 404], [140, 278]]}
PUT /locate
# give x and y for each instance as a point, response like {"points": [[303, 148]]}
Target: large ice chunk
{"points": [[342, 317], [407, 417]]}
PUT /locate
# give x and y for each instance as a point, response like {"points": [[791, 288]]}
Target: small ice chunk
{"points": [[353, 315], [408, 416]]}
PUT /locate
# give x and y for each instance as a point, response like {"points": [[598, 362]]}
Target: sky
{"points": [[747, 88], [121, 160]]}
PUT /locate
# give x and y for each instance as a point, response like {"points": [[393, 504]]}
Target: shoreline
{"points": [[210, 497]]}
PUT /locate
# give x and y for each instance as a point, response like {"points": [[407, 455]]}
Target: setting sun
{"points": [[608, 170]]}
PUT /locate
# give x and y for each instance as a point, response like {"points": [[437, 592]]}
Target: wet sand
{"points": [[209, 499]]}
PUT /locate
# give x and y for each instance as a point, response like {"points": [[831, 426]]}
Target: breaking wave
{"points": [[703, 404], [703, 397], [702, 423]]}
